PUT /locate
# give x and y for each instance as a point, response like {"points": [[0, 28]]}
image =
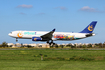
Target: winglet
{"points": [[53, 30]]}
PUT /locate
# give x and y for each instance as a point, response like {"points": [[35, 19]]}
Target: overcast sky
{"points": [[45, 15]]}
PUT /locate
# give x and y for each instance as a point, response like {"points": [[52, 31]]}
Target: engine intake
{"points": [[36, 39]]}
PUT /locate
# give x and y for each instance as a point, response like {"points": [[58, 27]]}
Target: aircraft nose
{"points": [[9, 34]]}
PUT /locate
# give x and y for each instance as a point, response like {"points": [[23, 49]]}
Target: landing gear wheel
{"points": [[16, 40], [50, 43], [53, 43], [47, 42]]}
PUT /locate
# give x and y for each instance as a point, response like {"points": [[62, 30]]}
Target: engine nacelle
{"points": [[36, 39]]}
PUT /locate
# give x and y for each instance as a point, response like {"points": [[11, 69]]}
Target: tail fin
{"points": [[89, 28]]}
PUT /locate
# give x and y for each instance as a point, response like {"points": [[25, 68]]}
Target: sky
{"points": [[45, 15]]}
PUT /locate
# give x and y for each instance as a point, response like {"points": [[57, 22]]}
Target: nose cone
{"points": [[10, 34]]}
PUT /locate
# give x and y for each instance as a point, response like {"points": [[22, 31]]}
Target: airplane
{"points": [[51, 36]]}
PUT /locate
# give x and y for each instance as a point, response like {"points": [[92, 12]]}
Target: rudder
{"points": [[90, 27]]}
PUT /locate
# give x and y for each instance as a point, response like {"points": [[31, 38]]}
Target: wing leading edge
{"points": [[48, 36]]}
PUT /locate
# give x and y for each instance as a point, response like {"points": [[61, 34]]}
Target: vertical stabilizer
{"points": [[90, 27]]}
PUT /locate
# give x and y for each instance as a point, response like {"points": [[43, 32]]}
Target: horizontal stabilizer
{"points": [[91, 34]]}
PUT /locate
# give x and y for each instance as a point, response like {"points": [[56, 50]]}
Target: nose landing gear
{"points": [[16, 40]]}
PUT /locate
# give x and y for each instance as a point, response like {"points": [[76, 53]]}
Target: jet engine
{"points": [[36, 38]]}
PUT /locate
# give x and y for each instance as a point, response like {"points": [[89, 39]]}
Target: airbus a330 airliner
{"points": [[51, 36]]}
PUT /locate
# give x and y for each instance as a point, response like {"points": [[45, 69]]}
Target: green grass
{"points": [[53, 59]]}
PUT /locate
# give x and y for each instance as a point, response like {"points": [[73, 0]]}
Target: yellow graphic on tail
{"points": [[90, 28]]}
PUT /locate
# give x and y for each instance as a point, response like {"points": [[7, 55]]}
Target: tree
{"points": [[4, 44], [61, 46], [55, 45], [29, 46], [0, 45], [100, 45], [104, 45], [89, 46], [84, 46]]}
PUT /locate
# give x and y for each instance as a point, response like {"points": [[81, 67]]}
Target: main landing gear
{"points": [[50, 43]]}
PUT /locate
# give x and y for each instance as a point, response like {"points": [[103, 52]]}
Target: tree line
{"points": [[97, 45]]}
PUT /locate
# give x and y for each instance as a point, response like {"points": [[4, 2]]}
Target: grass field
{"points": [[53, 59]]}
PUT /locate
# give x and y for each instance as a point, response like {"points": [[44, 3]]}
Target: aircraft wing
{"points": [[48, 36]]}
